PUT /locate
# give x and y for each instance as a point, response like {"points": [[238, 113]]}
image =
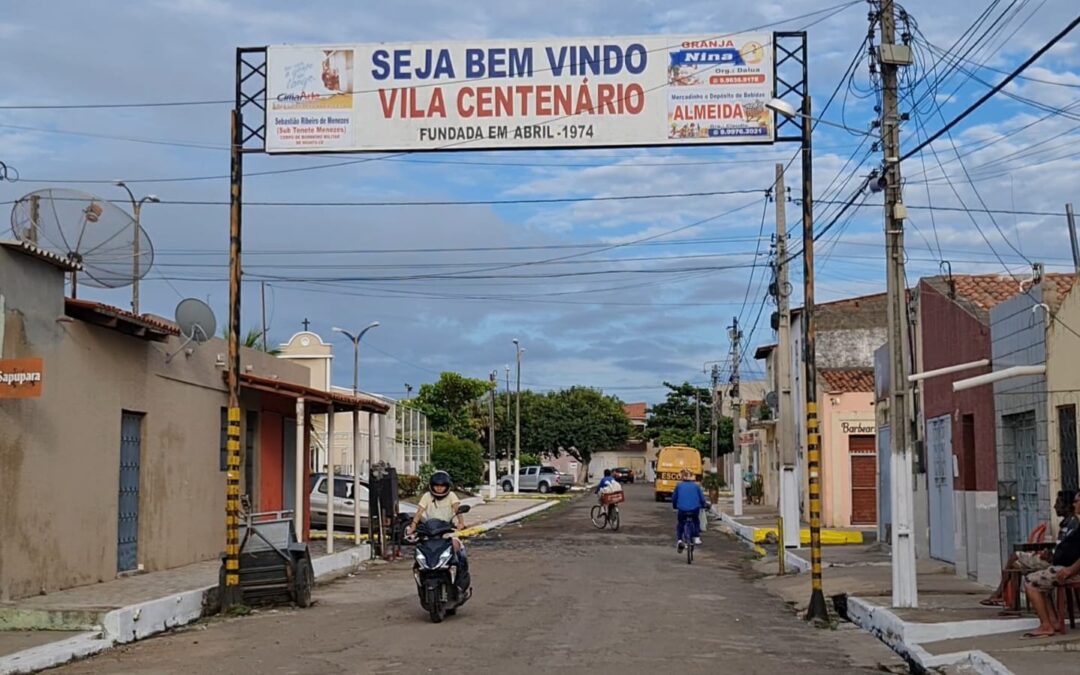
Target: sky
{"points": [[644, 289]]}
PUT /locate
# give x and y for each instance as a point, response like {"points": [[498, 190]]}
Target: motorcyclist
{"points": [[440, 503]]}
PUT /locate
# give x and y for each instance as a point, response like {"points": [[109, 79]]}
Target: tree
{"points": [[675, 421], [252, 340], [579, 420], [449, 404], [461, 458]]}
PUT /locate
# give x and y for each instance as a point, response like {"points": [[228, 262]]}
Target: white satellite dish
{"points": [[85, 229], [196, 322]]}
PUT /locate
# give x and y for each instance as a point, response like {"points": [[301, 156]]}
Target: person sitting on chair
{"points": [[1030, 561], [1064, 566]]}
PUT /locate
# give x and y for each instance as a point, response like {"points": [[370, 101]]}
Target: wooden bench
{"points": [[1067, 598]]}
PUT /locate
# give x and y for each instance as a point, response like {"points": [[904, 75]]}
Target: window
{"points": [[342, 488], [547, 469], [531, 471], [523, 471]]}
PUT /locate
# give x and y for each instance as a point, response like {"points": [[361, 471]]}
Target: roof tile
{"points": [[847, 380]]}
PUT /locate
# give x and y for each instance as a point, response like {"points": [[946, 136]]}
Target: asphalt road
{"points": [[552, 594]]}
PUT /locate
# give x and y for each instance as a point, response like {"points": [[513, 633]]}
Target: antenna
{"points": [[196, 322], [82, 228]]}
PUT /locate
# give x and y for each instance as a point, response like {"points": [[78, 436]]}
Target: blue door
{"points": [[939, 481], [127, 532]]}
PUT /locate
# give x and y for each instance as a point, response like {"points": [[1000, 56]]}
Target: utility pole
{"points": [[492, 469], [508, 461], [736, 473], [891, 57], [1072, 236], [517, 422], [697, 411], [136, 262], [232, 594], [714, 423], [789, 479], [262, 292]]}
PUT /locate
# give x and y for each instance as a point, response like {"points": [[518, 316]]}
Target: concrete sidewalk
{"points": [[949, 630], [47, 630], [762, 520]]}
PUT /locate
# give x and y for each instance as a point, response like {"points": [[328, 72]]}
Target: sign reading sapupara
{"points": [[589, 92]]}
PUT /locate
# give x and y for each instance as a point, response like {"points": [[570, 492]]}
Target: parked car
{"points": [[344, 502], [623, 474], [542, 479]]}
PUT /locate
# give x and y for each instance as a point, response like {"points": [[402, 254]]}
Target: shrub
{"points": [[712, 481], [408, 485], [425, 474], [462, 459]]}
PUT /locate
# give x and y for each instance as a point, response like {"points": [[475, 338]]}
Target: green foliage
{"points": [[676, 420], [529, 459], [425, 473], [579, 420], [713, 481], [450, 404], [408, 486], [463, 459]]}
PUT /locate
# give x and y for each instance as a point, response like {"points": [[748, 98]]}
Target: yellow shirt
{"points": [[443, 509]]}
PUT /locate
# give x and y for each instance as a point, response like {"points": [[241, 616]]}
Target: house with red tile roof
{"points": [[1013, 437], [848, 447], [115, 460]]}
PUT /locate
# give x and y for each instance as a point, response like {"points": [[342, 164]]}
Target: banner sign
{"points": [[590, 92], [21, 378]]}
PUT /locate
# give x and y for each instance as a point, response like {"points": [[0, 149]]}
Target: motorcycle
{"points": [[442, 580]]}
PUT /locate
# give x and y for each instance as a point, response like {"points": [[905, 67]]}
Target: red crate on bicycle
{"points": [[610, 498]]}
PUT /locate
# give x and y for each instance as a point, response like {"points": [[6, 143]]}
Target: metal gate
{"points": [[127, 532], [1067, 443], [940, 488], [1018, 484]]}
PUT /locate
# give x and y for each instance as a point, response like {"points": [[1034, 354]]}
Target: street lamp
{"points": [[408, 391], [789, 111], [517, 425], [136, 208], [356, 449]]}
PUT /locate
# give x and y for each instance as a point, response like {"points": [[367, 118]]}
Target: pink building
{"points": [[848, 447]]}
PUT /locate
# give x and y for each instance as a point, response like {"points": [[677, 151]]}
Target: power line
{"points": [[998, 87]]}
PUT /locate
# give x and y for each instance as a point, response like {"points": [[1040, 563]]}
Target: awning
{"points": [[318, 401], [107, 316]]}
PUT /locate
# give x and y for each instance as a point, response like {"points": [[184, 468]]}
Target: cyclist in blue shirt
{"points": [[607, 480], [688, 499]]}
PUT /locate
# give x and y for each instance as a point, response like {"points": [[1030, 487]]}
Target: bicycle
{"points": [[607, 512], [686, 537]]}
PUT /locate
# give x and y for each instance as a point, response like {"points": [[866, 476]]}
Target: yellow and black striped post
{"points": [[230, 593], [232, 503], [817, 608]]}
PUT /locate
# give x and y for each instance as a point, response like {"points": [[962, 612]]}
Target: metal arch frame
{"points": [[251, 77], [790, 81]]}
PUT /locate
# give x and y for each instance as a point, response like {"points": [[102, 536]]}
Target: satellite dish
{"points": [[113, 250], [772, 400], [196, 322]]}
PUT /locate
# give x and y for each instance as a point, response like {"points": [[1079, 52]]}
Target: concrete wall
{"points": [[949, 335], [1063, 383], [1018, 337], [59, 454]]}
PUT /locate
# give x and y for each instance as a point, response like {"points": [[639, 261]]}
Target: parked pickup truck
{"points": [[542, 479]]}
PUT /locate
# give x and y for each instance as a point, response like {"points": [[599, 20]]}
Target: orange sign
{"points": [[21, 378]]}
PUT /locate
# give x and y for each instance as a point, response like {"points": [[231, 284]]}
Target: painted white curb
{"points": [[507, 520], [53, 654], [334, 565], [904, 637]]}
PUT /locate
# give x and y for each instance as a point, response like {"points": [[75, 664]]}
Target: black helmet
{"points": [[440, 478]]}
